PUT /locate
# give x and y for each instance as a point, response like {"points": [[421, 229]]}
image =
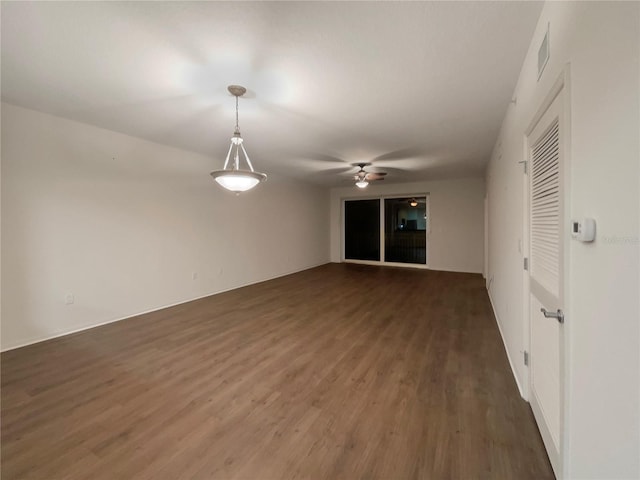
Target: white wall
{"points": [[123, 224], [601, 41], [456, 209]]}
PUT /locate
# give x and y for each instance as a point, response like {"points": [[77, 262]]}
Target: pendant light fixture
{"points": [[232, 176]]}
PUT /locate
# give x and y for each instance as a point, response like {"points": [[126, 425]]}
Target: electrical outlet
{"points": [[69, 299]]}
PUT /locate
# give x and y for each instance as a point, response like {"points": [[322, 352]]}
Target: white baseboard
{"points": [[32, 341], [506, 349]]}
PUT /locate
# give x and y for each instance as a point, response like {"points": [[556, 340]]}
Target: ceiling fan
{"points": [[363, 178]]}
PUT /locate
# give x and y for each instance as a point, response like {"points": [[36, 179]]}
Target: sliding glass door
{"points": [[391, 230], [362, 230], [405, 230]]}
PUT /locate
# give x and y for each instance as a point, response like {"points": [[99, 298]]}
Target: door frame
{"points": [[561, 85], [382, 261]]}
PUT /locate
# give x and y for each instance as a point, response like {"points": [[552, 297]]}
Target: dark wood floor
{"points": [[343, 371]]}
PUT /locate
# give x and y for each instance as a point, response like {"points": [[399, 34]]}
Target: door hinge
{"points": [[524, 164], [526, 263], [526, 358]]}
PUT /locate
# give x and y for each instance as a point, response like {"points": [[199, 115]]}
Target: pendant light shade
{"points": [[238, 180], [232, 176]]}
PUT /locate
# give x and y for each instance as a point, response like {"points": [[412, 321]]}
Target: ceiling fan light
{"points": [[413, 202], [363, 178], [238, 180]]}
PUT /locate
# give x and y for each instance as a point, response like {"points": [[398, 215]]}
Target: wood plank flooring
{"points": [[339, 372]]}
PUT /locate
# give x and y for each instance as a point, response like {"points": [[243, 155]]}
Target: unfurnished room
{"points": [[320, 240]]}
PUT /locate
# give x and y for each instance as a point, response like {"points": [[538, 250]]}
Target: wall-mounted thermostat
{"points": [[584, 230]]}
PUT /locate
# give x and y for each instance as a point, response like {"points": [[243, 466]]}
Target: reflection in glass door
{"points": [[362, 229], [405, 230]]}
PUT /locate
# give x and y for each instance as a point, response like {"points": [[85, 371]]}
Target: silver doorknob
{"points": [[558, 315]]}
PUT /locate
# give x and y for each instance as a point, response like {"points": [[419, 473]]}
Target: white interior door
{"points": [[545, 172]]}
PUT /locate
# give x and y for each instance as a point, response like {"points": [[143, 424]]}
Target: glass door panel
{"points": [[405, 230], [362, 229]]}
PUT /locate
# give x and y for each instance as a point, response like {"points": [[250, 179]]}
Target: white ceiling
{"points": [[417, 88]]}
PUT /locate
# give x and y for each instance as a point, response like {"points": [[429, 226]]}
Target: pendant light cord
{"points": [[237, 124]]}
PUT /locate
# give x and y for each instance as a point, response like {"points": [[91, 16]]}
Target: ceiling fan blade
{"points": [[321, 157], [335, 171], [372, 176], [401, 154]]}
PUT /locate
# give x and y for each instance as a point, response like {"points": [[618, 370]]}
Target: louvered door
{"points": [[545, 209], [545, 276]]}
